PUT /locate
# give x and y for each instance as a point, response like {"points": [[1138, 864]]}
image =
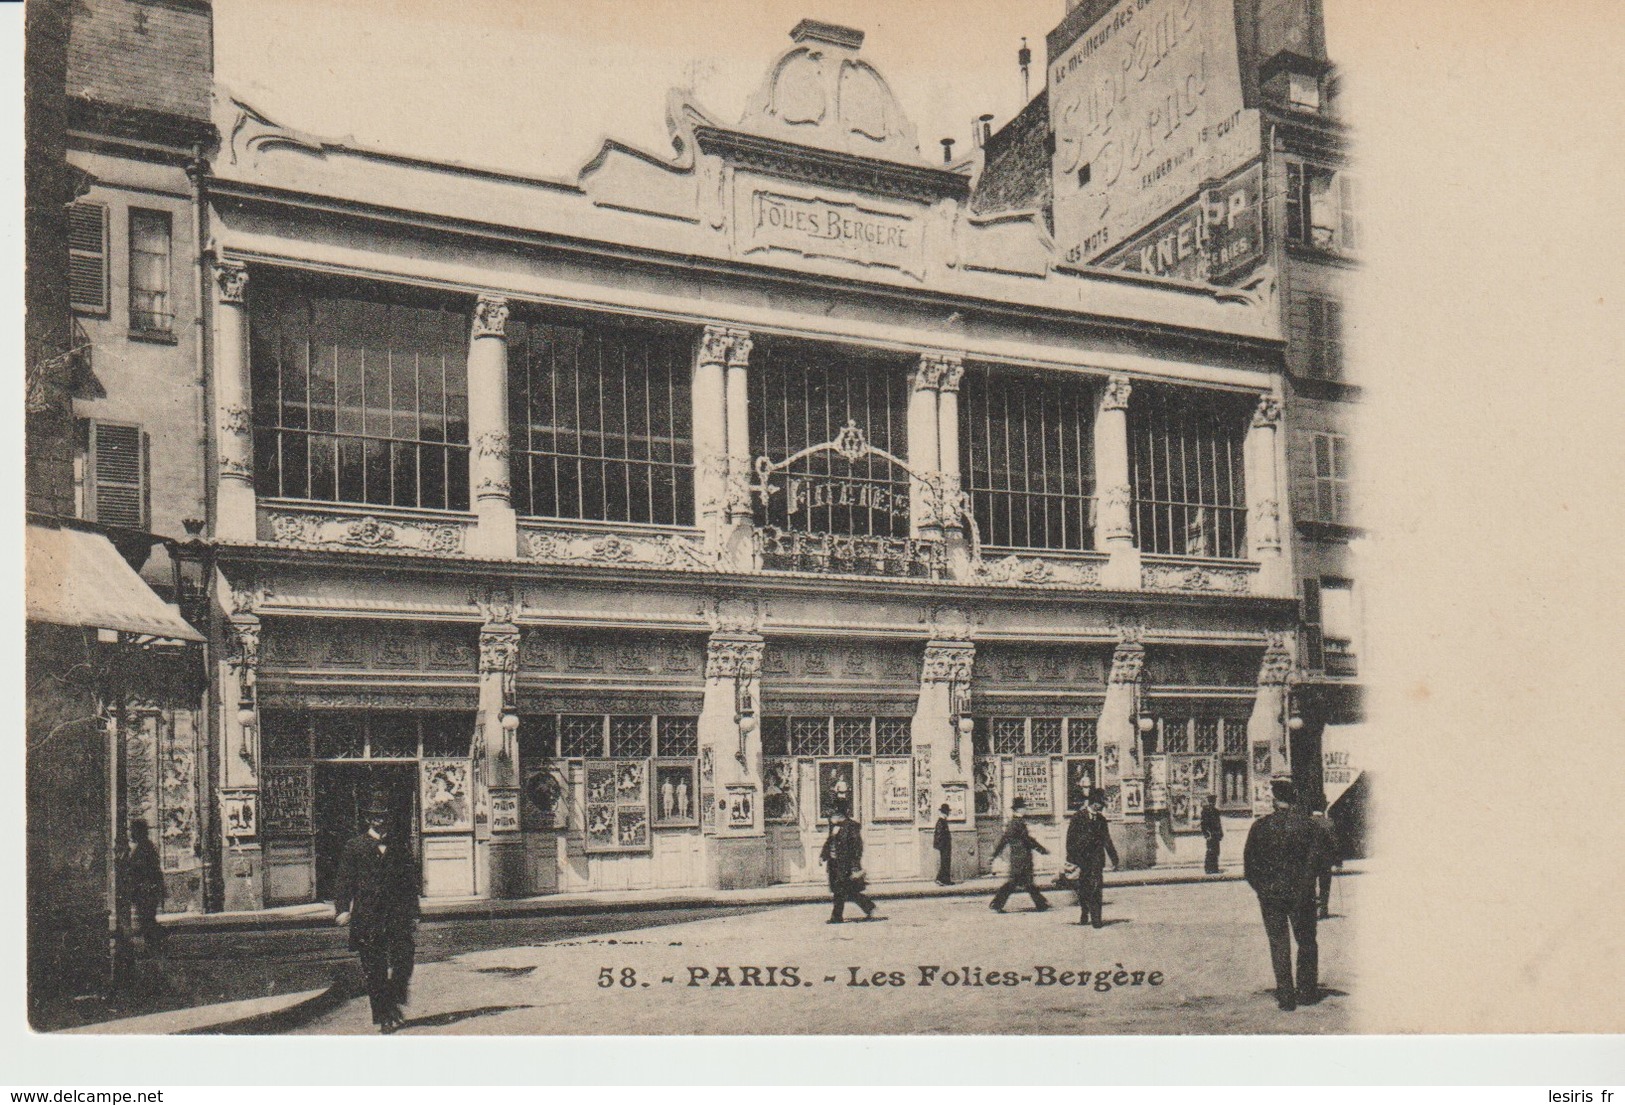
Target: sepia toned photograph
{"points": [[552, 519]]}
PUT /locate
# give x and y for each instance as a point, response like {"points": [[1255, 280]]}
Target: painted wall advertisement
{"points": [[1216, 238], [1147, 108]]}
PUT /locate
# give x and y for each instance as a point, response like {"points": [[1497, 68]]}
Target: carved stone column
{"points": [[731, 759], [924, 448], [1263, 462], [1114, 526], [708, 396], [496, 533], [944, 697], [738, 388], [1118, 735], [500, 849], [239, 729], [1267, 723], [953, 520], [234, 517]]}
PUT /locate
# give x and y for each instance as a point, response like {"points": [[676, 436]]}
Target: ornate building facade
{"points": [[620, 528]]}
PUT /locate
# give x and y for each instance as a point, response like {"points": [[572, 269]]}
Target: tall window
{"points": [[600, 421], [1185, 460], [1331, 478], [359, 397], [1317, 330], [1338, 627], [1029, 459], [802, 396], [151, 309], [1322, 207]]}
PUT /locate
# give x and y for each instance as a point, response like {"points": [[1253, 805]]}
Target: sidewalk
{"points": [[320, 914]]}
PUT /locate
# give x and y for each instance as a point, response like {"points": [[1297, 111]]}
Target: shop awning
{"points": [[76, 577], [1342, 757]]}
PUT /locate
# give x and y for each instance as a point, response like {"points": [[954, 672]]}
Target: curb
{"points": [[577, 907], [280, 1020]]}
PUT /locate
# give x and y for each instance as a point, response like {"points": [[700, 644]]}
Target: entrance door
{"points": [[343, 793]]}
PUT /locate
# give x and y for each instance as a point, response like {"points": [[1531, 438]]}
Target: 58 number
{"points": [[607, 977]]}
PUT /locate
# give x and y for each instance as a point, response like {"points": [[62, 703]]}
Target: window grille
{"points": [[631, 738], [359, 398], [1186, 468], [600, 415], [1009, 736], [284, 736], [1207, 734], [802, 396], [151, 309], [809, 736], [581, 736], [1331, 478], [680, 736], [1046, 736], [539, 737], [1029, 459], [775, 736], [1235, 737], [1081, 737], [1176, 735], [892, 737], [853, 737], [87, 257]]}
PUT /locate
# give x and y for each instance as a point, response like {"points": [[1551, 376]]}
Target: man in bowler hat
{"points": [[1212, 832], [842, 856], [943, 841], [1088, 844], [1021, 845], [378, 898], [1284, 854]]}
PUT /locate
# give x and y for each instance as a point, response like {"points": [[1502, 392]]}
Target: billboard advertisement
{"points": [[1146, 106], [1215, 238]]}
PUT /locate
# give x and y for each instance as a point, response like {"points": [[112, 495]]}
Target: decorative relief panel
{"points": [[329, 531], [1042, 665], [1039, 572], [680, 552], [367, 645], [862, 662], [631, 657], [1195, 578]]}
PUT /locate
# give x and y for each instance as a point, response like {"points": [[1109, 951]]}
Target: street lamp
{"points": [[744, 717], [959, 720]]}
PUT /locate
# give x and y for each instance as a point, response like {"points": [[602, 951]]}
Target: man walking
{"points": [[145, 875], [1284, 853], [1088, 844], [1212, 832], [378, 898], [943, 841], [1021, 845], [842, 856]]}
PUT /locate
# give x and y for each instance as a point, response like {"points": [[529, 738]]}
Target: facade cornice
{"points": [[690, 265], [819, 166], [139, 132]]}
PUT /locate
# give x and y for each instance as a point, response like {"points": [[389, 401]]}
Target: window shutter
{"points": [[1314, 648], [1332, 340], [116, 466], [1301, 474], [1295, 203], [1348, 211], [87, 257]]}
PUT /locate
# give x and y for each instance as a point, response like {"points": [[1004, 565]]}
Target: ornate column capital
{"points": [[1116, 395], [231, 281], [739, 346], [1128, 658], [499, 607], [948, 662], [499, 651], [733, 656], [1268, 413], [243, 646], [939, 372], [491, 316], [715, 342]]}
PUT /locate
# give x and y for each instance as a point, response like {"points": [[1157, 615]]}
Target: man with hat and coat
{"points": [[1212, 832], [943, 841], [1284, 854], [377, 897], [1021, 845], [842, 856], [1088, 844]]}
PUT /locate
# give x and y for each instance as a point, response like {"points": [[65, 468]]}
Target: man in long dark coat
{"points": [[1285, 852], [145, 880], [1334, 856], [1022, 846], [378, 898], [842, 856], [1213, 832], [1088, 844], [942, 839]]}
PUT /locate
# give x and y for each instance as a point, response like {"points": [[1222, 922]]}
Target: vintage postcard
{"points": [[712, 518]]}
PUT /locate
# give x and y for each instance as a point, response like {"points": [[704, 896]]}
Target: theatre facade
{"points": [[619, 528]]}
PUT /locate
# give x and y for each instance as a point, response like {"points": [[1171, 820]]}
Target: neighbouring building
{"points": [[620, 527], [1198, 141], [118, 99]]}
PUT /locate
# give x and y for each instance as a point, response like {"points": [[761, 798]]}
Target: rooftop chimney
{"points": [[947, 151], [833, 34]]}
